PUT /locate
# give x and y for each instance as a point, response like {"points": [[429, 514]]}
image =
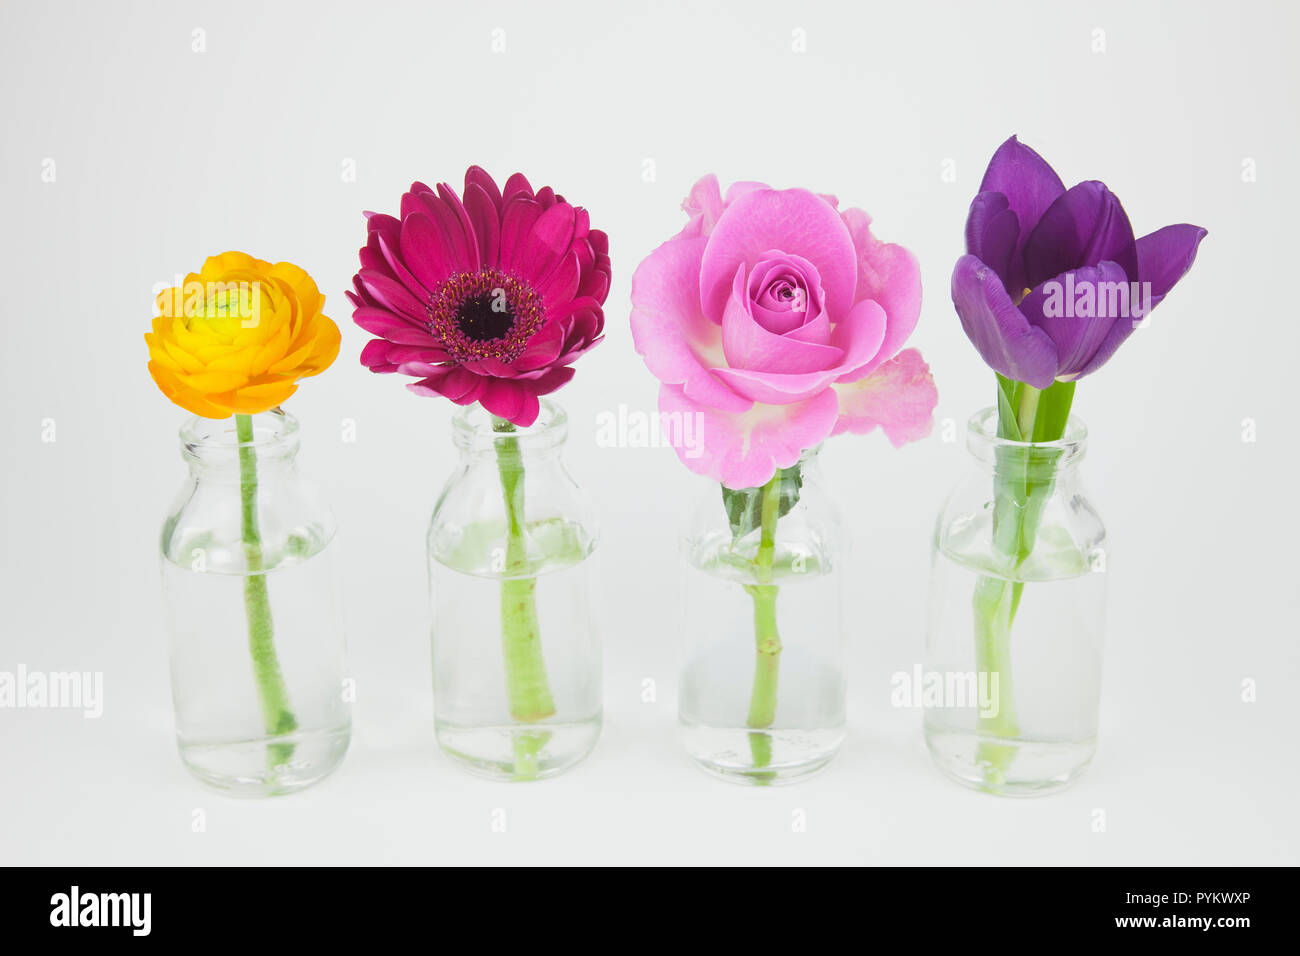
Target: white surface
{"points": [[164, 155]]}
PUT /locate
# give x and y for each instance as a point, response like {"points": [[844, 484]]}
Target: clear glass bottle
{"points": [[762, 692], [1016, 616], [258, 665], [516, 654]]}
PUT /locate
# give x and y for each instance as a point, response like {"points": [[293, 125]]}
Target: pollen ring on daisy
{"points": [[485, 314]]}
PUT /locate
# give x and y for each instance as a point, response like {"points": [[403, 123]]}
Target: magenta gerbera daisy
{"points": [[484, 298]]}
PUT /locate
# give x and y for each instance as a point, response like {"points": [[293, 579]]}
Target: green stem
{"points": [[276, 715], [1022, 485], [767, 638], [527, 687], [995, 604], [1027, 409]]}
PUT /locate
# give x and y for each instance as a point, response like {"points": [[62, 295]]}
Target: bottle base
{"points": [[267, 766], [1010, 768], [518, 752], [761, 758]]}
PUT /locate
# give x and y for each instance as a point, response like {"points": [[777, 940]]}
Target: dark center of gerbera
{"points": [[486, 314], [485, 317]]}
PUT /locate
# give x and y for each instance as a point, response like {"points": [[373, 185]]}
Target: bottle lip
{"points": [[983, 441], [214, 440], [472, 429]]}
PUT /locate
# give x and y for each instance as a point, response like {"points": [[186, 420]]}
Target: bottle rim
{"points": [[473, 429], [215, 440], [983, 442]]}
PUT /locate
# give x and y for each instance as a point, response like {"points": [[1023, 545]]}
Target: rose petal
{"points": [[861, 335], [743, 450], [704, 206], [678, 343], [794, 221], [899, 397], [887, 274], [747, 345]]}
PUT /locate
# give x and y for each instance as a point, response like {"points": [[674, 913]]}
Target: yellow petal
{"points": [[257, 398], [183, 358], [158, 353], [304, 289], [230, 262], [186, 398], [213, 382], [271, 352]]}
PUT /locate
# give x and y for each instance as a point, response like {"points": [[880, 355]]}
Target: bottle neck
{"points": [[1033, 461], [216, 448], [478, 434]]}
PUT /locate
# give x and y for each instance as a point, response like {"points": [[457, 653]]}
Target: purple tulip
{"points": [[1053, 281]]}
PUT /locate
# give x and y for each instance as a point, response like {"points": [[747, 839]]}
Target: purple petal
{"points": [[1164, 257], [999, 331], [1077, 311], [1031, 186], [992, 231], [1085, 226]]}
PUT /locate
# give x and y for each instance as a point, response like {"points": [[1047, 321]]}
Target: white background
{"points": [[164, 155]]}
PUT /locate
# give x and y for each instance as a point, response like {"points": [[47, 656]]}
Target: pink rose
{"points": [[777, 321]]}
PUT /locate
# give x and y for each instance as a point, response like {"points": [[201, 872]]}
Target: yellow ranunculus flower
{"points": [[236, 337]]}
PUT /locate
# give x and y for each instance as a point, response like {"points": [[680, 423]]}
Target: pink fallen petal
{"points": [[899, 397], [744, 450]]}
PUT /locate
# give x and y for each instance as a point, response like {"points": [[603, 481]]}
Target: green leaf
{"points": [[1008, 399], [745, 505]]}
